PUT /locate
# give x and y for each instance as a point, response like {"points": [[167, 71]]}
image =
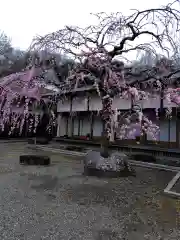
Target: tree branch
{"points": [[119, 50]]}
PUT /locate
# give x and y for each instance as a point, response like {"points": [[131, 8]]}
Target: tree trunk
{"points": [[106, 116], [104, 146]]}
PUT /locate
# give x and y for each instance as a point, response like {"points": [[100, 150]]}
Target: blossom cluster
{"points": [[21, 89], [17, 93], [113, 78]]}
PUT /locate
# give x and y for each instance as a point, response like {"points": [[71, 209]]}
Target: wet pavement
{"points": [[58, 202]]}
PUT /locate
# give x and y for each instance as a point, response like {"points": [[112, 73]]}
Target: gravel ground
{"points": [[57, 202]]}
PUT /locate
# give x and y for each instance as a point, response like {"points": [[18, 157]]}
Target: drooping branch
{"points": [[115, 35], [115, 32], [119, 50]]}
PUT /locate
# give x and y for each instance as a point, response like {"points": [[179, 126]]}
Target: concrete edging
{"points": [[65, 152], [133, 162], [12, 141], [170, 185], [154, 166]]}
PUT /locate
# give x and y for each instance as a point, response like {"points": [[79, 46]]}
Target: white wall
{"points": [[80, 104], [166, 104], [61, 129], [76, 123], [164, 131], [63, 106], [151, 102], [173, 131], [121, 103], [69, 127], [95, 103], [97, 126], [85, 127]]}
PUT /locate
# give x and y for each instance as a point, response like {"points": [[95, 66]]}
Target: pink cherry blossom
{"points": [[16, 92]]}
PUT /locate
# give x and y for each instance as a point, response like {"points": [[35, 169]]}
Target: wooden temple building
{"points": [[78, 114]]}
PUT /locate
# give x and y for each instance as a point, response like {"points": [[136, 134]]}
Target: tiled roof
{"points": [[18, 78]]}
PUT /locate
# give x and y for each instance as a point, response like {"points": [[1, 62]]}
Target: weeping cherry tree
{"points": [[102, 50]]}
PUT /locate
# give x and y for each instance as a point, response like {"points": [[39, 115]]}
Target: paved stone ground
{"points": [[57, 202]]}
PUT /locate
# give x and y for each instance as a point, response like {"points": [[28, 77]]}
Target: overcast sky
{"points": [[22, 20]]}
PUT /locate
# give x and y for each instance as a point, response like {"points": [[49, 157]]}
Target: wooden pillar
{"points": [[169, 132], [72, 126], [67, 122], [71, 118], [58, 124], [177, 127], [161, 112], [88, 99], [91, 124], [104, 130], [79, 124]]}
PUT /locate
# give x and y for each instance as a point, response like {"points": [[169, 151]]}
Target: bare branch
{"points": [[98, 46], [115, 31]]}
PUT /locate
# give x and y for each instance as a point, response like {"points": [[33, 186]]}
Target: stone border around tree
{"points": [[107, 173], [132, 162]]}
